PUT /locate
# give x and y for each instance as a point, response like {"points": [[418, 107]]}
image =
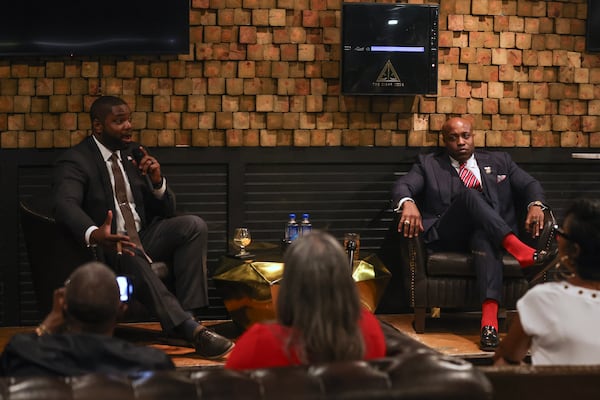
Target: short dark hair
{"points": [[318, 298], [583, 219], [102, 106], [92, 294]]}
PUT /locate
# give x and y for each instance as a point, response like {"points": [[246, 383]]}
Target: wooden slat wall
{"points": [[339, 198], [344, 189]]}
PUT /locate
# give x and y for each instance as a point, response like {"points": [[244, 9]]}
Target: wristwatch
{"points": [[539, 204]]}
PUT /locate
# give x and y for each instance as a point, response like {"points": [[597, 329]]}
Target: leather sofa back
{"points": [[414, 375]]}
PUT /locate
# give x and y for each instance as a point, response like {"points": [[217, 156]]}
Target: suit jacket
{"points": [[433, 183], [84, 194]]}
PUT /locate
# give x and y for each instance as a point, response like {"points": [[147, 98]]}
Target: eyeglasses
{"points": [[560, 232]]}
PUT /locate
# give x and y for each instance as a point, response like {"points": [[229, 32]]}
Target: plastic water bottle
{"points": [[305, 225], [292, 229]]}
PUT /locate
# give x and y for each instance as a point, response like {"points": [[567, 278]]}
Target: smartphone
{"points": [[125, 287]]}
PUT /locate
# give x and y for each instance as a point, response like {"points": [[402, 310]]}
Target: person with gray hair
{"points": [[76, 336], [319, 314]]}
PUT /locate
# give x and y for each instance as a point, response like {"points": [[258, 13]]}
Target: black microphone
{"points": [[138, 154]]}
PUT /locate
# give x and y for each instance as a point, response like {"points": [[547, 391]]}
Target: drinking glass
{"points": [[242, 238]]}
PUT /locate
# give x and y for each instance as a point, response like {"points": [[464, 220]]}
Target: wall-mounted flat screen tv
{"points": [[93, 27], [389, 49], [592, 33]]}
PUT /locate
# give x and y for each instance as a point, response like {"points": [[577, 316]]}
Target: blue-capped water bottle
{"points": [[305, 225], [292, 229]]}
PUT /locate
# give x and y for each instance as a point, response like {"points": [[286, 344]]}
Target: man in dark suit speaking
{"points": [[111, 195], [460, 199]]}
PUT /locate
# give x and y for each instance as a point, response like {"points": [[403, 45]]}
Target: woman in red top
{"points": [[319, 315]]}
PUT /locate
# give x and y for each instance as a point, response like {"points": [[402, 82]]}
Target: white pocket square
{"points": [[500, 178]]}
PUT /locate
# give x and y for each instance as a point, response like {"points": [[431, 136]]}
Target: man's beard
{"points": [[113, 143]]}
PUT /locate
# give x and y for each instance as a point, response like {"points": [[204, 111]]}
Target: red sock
{"points": [[489, 313], [522, 252]]}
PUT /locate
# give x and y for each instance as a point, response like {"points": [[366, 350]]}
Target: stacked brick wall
{"points": [[266, 73]]}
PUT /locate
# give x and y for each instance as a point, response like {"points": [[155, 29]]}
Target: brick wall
{"points": [[266, 73]]}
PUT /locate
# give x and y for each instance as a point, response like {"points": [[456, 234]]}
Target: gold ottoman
{"points": [[249, 287]]}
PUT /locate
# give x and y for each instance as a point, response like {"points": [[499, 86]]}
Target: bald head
{"points": [[458, 137], [92, 294]]}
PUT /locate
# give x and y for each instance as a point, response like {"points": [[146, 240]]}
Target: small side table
{"points": [[250, 287]]}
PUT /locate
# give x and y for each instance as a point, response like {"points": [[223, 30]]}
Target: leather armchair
{"points": [[447, 279], [54, 253]]}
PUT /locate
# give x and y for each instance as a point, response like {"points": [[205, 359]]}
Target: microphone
{"points": [[137, 156]]}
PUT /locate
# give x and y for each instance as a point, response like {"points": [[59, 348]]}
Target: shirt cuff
{"points": [[88, 233], [401, 202], [159, 192], [537, 203]]}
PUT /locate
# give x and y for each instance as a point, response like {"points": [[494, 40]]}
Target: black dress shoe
{"points": [[211, 345], [489, 338]]}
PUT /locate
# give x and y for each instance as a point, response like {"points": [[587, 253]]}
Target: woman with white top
{"points": [[558, 321]]}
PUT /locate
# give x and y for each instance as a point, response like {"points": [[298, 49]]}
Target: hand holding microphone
{"points": [[148, 166]]}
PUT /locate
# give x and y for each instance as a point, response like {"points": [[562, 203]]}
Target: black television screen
{"points": [[592, 34], [93, 27], [389, 49]]}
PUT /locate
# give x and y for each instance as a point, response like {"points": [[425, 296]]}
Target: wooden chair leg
{"points": [[502, 320], [419, 322]]}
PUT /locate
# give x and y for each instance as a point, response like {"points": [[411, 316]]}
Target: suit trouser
{"points": [[181, 242], [471, 224]]}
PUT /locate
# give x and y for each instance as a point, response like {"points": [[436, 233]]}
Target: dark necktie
{"points": [[123, 202], [469, 179]]}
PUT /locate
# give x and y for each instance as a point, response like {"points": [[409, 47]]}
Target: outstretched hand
{"points": [[109, 241]]}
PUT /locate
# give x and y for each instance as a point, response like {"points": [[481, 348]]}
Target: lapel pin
{"points": [[488, 170]]}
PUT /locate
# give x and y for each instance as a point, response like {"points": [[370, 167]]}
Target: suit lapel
{"points": [[488, 173], [102, 170], [447, 179]]}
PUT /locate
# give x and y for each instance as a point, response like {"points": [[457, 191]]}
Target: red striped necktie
{"points": [[469, 179]]}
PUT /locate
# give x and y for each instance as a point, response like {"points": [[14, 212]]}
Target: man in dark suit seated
{"points": [[76, 336], [467, 202], [111, 195]]}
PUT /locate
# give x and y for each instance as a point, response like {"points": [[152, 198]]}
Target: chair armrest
{"points": [[413, 255]]}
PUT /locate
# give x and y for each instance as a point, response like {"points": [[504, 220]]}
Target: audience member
{"points": [[558, 321], [461, 199], [76, 336], [111, 195], [319, 315]]}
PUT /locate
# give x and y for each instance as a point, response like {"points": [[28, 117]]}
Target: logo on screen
{"points": [[388, 77]]}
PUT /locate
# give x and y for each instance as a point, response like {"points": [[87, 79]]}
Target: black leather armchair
{"points": [[54, 253], [447, 280]]}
